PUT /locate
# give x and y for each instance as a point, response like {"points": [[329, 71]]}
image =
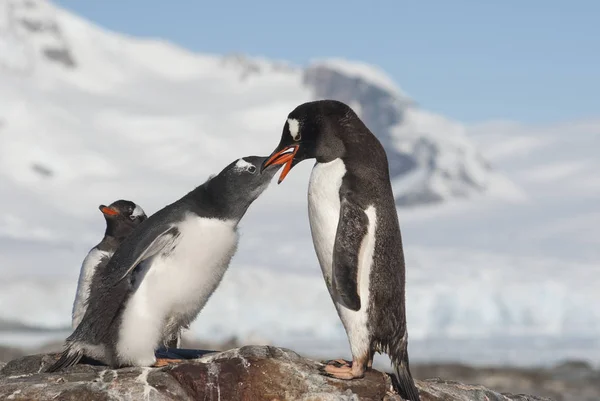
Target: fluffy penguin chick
{"points": [[163, 274], [355, 232], [121, 217]]}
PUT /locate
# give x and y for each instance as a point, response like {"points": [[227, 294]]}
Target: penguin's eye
{"points": [[252, 169]]}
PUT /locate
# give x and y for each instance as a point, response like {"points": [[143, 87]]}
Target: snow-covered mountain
{"points": [[48, 47], [89, 116]]}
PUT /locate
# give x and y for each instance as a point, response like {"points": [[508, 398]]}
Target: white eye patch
{"points": [[243, 165], [138, 211], [294, 126]]}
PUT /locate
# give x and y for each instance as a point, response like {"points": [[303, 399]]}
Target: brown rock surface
{"points": [[249, 373]]}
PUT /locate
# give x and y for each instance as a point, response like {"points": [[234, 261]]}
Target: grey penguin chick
{"points": [[355, 231], [121, 216], [163, 274]]}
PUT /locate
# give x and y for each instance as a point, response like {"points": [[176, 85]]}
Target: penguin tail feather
{"points": [[67, 359], [403, 382]]}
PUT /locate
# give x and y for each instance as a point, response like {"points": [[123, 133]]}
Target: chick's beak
{"points": [[285, 157], [108, 211]]}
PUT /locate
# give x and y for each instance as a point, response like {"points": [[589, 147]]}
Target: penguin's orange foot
{"points": [[338, 363], [343, 372], [160, 362], [335, 371]]}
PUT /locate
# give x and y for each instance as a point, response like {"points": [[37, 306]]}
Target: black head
{"points": [[239, 184], [122, 217], [312, 130]]}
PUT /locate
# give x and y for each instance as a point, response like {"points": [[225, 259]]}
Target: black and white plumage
{"points": [[355, 231], [163, 274], [121, 217]]}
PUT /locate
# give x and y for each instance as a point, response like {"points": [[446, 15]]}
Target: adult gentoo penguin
{"points": [[355, 231], [121, 217], [163, 274]]}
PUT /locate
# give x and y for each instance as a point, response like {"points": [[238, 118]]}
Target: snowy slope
{"points": [[89, 116]]}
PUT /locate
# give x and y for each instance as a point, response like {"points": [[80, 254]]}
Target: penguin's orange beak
{"points": [[285, 157], [108, 211]]}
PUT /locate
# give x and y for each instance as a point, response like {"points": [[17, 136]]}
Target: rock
{"points": [[445, 390], [248, 373], [9, 353], [568, 381]]}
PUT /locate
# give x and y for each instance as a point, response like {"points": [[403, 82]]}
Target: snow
{"points": [[455, 156], [510, 274], [360, 70]]}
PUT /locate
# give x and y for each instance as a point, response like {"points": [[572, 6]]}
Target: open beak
{"points": [[285, 157], [108, 211]]}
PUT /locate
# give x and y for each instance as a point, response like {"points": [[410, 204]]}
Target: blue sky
{"points": [[527, 60]]}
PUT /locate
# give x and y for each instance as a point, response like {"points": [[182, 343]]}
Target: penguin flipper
{"points": [[160, 242], [352, 229]]}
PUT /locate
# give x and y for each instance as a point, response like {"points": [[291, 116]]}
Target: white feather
{"points": [[324, 211], [176, 286], [95, 351], [88, 268], [242, 165], [138, 211], [294, 126]]}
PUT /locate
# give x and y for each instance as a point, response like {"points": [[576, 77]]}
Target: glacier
{"points": [[499, 220]]}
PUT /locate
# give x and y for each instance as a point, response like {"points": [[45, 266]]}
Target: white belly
{"points": [[88, 268], [176, 286], [323, 212]]}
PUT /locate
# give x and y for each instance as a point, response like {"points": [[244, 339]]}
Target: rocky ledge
{"points": [[248, 373]]}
